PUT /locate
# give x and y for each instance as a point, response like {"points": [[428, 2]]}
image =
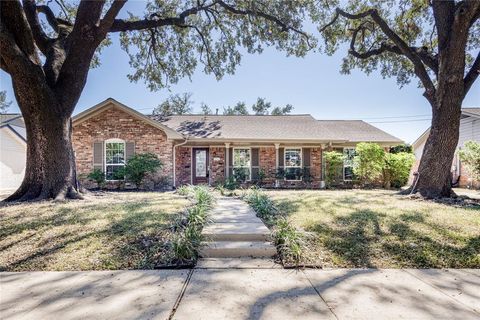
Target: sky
{"points": [[312, 84]]}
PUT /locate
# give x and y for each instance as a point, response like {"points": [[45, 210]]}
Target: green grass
{"points": [[130, 230], [378, 228]]}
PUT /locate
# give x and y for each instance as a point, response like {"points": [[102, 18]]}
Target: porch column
{"points": [[227, 159]]}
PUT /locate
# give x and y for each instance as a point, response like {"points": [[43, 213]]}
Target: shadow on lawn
{"points": [[372, 238], [135, 239]]}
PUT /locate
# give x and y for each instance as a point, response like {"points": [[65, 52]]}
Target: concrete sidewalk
{"points": [[242, 293]]}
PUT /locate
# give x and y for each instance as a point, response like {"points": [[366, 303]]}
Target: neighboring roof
{"points": [[473, 112], [14, 122], [470, 112], [274, 128], [110, 102]]}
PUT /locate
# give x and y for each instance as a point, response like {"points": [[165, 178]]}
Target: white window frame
{"points": [[285, 167], [344, 166], [233, 161], [113, 140]]}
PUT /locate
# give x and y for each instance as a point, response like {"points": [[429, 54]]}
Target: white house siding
{"points": [[12, 160]]}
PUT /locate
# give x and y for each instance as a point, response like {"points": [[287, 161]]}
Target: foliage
{"points": [[280, 174], [368, 162], [98, 176], [470, 156], [205, 109], [261, 176], [139, 165], [231, 183], [288, 239], [397, 168], [279, 111], [4, 104], [239, 109], [401, 148], [188, 238], [175, 104], [240, 174], [333, 167], [307, 175]]}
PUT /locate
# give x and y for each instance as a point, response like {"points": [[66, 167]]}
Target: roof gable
{"points": [[110, 102]]}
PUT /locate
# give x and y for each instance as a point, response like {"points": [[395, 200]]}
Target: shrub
{"points": [[98, 176], [203, 197], [397, 169], [307, 175], [262, 205], [280, 174], [470, 156], [288, 240], [333, 167], [231, 183], [240, 175], [185, 190], [261, 177], [368, 162], [140, 165], [401, 148]]}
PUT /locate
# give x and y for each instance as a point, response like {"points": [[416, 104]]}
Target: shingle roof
{"points": [[14, 122], [475, 111], [274, 128]]}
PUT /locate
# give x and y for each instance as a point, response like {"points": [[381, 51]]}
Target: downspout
{"points": [[175, 161]]}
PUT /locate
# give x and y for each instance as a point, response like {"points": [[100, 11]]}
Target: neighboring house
{"points": [[208, 149], [469, 130], [13, 151]]}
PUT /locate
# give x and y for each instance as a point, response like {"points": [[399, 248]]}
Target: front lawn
{"points": [[378, 228], [110, 230]]}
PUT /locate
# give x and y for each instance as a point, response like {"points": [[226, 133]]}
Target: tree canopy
{"points": [[175, 104], [4, 104]]}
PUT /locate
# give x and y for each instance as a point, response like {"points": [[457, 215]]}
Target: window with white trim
{"points": [[114, 158], [348, 155], [242, 160], [293, 164]]}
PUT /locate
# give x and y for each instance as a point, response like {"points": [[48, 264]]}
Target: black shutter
{"points": [[255, 163], [281, 157], [129, 150], [98, 156], [230, 162], [306, 157]]}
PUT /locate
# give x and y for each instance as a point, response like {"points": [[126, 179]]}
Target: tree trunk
{"points": [[434, 173], [50, 171]]}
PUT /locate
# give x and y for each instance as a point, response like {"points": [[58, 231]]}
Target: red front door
{"points": [[200, 165]]}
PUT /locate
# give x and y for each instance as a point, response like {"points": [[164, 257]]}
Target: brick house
{"points": [[208, 149], [469, 131]]}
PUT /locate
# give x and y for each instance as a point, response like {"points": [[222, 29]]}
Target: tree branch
{"points": [[401, 47], [111, 14], [52, 20], [472, 75], [41, 38]]}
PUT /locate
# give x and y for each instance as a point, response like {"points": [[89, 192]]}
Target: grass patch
{"points": [[130, 230], [377, 228]]}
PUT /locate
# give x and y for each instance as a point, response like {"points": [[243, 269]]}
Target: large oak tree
{"points": [[48, 48], [436, 41]]}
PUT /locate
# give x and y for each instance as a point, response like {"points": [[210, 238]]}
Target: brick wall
{"points": [[183, 165], [114, 123], [267, 163], [217, 165]]}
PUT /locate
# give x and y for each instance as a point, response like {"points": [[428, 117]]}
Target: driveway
{"points": [[242, 291]]}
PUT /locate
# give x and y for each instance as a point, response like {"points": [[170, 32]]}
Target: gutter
{"points": [[175, 161]]}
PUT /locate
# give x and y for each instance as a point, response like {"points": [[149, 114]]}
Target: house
{"points": [[208, 149], [13, 151], [469, 131]]}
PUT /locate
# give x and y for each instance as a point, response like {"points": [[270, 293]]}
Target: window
{"points": [[349, 154], [293, 163], [114, 158], [241, 163]]}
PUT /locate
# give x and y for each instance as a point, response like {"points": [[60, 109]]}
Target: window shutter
{"points": [[98, 156], [281, 152], [306, 157], [255, 156], [129, 150], [230, 162], [255, 173]]}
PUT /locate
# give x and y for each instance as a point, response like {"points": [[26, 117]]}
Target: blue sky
{"points": [[312, 85]]}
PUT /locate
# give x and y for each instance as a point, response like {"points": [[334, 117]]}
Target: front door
{"points": [[200, 165]]}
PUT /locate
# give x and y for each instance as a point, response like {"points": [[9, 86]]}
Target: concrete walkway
{"points": [[235, 232], [242, 292]]}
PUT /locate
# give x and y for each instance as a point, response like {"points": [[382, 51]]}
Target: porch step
{"points": [[237, 249], [231, 231]]}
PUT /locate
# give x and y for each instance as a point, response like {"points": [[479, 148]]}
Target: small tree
{"points": [[333, 167], [470, 156], [397, 169], [139, 165], [368, 162], [98, 176]]}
